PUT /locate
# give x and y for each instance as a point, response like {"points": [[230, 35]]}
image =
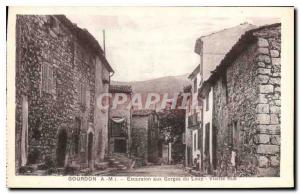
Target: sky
{"points": [[145, 44]]}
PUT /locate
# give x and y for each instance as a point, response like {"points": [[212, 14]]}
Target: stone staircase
{"points": [[120, 161]]}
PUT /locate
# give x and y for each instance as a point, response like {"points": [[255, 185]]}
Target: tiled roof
{"points": [[234, 52], [120, 89], [215, 46], [86, 37]]}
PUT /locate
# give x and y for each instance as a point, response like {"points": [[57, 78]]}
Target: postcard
{"points": [[150, 97]]}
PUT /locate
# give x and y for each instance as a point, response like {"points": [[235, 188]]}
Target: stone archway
{"points": [[61, 147]]}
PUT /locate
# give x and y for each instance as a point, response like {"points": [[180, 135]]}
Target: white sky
{"points": [[145, 45]]}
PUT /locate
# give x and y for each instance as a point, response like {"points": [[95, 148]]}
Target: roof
{"points": [[195, 72], [214, 46], [120, 89], [143, 112], [88, 39], [244, 41]]}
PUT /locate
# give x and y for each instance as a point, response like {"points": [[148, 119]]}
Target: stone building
{"points": [[193, 120], [60, 71], [145, 136], [211, 49], [120, 116], [245, 90]]}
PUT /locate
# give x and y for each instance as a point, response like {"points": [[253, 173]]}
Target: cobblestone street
{"points": [[155, 170]]}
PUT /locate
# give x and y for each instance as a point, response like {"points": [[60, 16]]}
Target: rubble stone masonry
{"points": [[246, 115], [268, 106], [46, 40]]}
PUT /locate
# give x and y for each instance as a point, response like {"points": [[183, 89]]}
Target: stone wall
{"points": [[101, 115], [240, 106], [269, 101], [252, 105], [46, 40], [139, 145]]}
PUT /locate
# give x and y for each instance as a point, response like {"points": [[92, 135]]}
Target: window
{"points": [[224, 85], [207, 102], [48, 82], [195, 85], [83, 94]]}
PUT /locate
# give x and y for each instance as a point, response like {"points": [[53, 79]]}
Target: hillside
{"points": [[169, 84]]}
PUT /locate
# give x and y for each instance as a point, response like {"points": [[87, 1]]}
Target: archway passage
{"points": [[61, 148], [90, 147]]}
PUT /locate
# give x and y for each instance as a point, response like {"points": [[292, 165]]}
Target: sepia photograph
{"points": [[158, 96]]}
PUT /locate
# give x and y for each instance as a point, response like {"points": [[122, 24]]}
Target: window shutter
{"points": [[77, 85], [44, 77], [87, 98], [82, 94], [53, 82], [50, 79]]}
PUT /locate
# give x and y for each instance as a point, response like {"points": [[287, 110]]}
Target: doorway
{"points": [[61, 148], [207, 158], [120, 146], [90, 148], [77, 134]]}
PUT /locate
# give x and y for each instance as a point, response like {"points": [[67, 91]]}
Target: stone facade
{"points": [[246, 106], [55, 77], [145, 132]]}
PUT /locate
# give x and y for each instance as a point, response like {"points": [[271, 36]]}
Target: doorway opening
{"points": [[61, 148], [120, 146], [77, 134], [90, 147]]}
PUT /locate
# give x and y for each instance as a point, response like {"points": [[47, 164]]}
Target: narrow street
{"points": [[155, 170]]}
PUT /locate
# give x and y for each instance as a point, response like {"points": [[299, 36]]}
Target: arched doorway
{"points": [[90, 148], [61, 147]]}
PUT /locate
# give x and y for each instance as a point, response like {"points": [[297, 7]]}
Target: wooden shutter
{"points": [[83, 94], [49, 80], [87, 100]]}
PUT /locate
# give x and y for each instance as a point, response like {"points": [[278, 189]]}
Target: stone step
{"points": [[39, 173], [196, 173], [101, 165], [121, 167]]}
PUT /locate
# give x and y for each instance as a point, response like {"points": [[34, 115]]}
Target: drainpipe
{"points": [[108, 114]]}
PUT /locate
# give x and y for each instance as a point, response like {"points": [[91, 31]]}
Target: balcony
{"points": [[193, 121]]}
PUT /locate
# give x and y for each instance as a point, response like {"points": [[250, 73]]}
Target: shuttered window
{"points": [[48, 81], [83, 94]]}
